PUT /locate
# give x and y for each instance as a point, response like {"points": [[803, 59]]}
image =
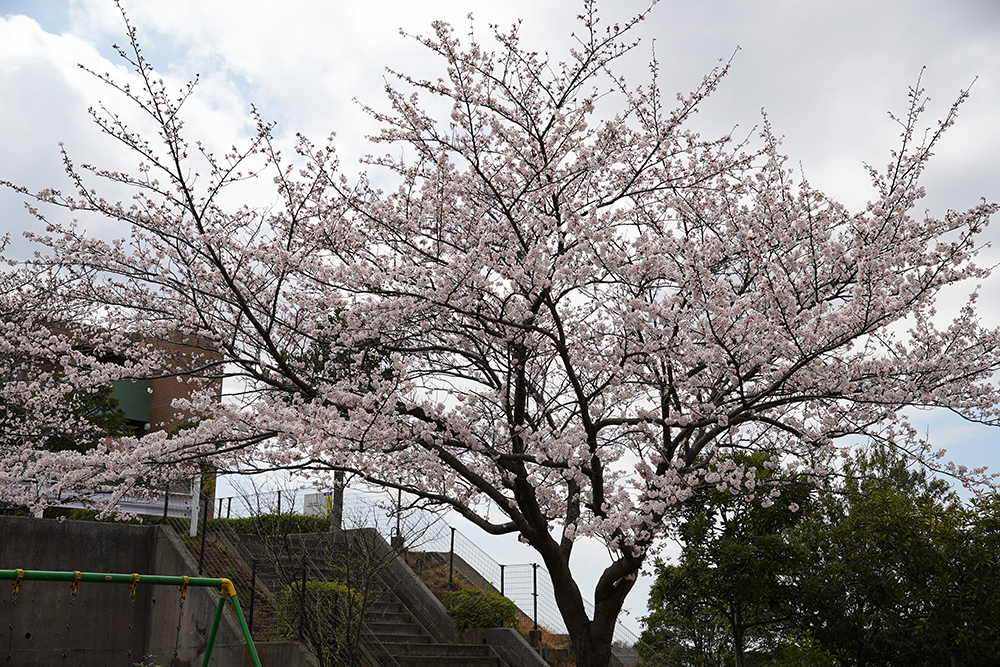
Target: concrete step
{"points": [[446, 661], [439, 650], [403, 640], [385, 608], [387, 617], [406, 627]]}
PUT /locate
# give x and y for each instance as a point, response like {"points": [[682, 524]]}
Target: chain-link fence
{"points": [[241, 506], [249, 539], [528, 585], [295, 579]]}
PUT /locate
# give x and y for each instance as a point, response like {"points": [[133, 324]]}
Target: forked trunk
{"points": [[590, 651], [591, 636], [591, 639]]}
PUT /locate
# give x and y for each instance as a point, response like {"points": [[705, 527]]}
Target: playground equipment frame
{"points": [[225, 586]]}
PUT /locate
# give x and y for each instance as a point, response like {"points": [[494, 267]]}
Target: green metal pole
{"points": [[102, 578], [246, 631], [215, 629]]}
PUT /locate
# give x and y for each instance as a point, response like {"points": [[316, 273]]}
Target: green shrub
{"points": [[272, 524], [476, 608], [7, 509], [326, 603], [333, 614]]}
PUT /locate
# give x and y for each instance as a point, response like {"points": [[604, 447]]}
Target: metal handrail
{"points": [[372, 648]]}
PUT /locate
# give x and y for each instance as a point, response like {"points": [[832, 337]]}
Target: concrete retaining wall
{"points": [[507, 643], [169, 557], [100, 617], [99, 621]]}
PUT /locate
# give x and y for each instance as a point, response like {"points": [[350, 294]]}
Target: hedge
{"points": [[476, 608]]}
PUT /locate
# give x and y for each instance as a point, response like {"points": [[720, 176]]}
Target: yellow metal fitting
{"points": [[135, 584], [184, 588], [227, 590], [17, 580], [76, 582]]}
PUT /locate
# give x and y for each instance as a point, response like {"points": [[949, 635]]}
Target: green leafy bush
{"points": [[327, 603], [476, 608], [332, 617], [7, 509], [272, 524]]}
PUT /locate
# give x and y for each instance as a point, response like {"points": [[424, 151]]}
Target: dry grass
{"points": [[433, 571]]}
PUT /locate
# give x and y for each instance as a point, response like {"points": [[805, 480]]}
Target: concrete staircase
{"points": [[404, 639], [394, 636]]}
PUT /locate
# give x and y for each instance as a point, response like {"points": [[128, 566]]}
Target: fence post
{"points": [[229, 506], [501, 579], [336, 610], [204, 531], [195, 502], [451, 559], [166, 500], [534, 586], [337, 503], [399, 520], [302, 605], [253, 590], [279, 501]]}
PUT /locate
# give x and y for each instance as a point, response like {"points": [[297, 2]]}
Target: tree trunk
{"points": [[337, 504], [591, 652], [738, 636], [591, 639]]}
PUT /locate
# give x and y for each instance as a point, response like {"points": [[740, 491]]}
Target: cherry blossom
{"points": [[555, 322]]}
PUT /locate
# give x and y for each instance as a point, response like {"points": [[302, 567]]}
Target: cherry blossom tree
{"points": [[57, 416], [556, 321]]}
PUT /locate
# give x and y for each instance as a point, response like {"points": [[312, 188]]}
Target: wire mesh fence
{"points": [[242, 506], [220, 534], [296, 581], [215, 546], [528, 585]]}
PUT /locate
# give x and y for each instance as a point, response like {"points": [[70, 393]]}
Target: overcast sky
{"points": [[826, 72]]}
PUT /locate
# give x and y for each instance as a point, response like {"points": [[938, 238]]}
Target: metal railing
{"points": [[367, 650], [279, 501], [528, 585], [220, 552], [267, 572]]}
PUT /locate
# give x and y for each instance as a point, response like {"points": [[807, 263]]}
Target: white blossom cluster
{"points": [[569, 322]]}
